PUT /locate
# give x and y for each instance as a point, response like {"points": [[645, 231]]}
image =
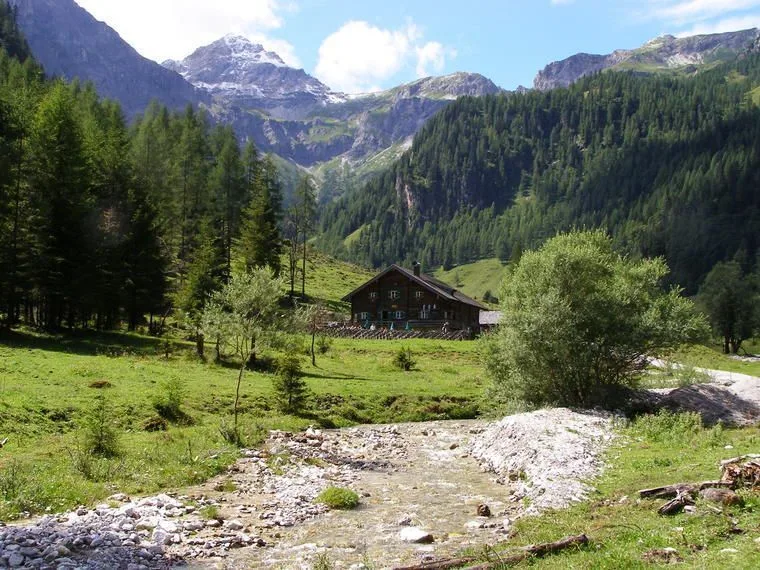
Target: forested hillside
{"points": [[671, 166], [101, 224]]}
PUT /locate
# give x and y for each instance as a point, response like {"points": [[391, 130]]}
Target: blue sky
{"points": [[359, 45]]}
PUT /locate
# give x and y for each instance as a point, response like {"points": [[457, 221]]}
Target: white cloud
{"points": [[693, 17], [432, 54], [688, 11], [359, 56], [724, 25], [167, 29]]}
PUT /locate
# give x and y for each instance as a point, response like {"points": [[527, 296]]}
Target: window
{"points": [[362, 316], [418, 294], [399, 315], [373, 296], [394, 294], [424, 314]]}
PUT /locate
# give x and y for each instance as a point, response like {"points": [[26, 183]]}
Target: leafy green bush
{"points": [[577, 316], [169, 404], [404, 360], [324, 344], [338, 498]]}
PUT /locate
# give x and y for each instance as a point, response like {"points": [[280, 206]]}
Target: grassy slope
{"points": [[475, 278], [329, 280]]}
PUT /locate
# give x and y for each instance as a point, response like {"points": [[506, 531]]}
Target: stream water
{"points": [[430, 483]]}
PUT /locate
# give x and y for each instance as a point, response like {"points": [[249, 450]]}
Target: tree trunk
{"points": [[313, 354], [200, 346], [725, 345], [237, 401]]}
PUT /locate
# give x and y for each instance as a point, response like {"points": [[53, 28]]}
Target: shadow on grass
{"points": [[333, 376], [87, 342]]}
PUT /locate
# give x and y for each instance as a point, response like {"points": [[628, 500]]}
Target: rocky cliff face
{"points": [[70, 43], [666, 53]]}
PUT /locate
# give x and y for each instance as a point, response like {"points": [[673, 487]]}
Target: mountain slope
{"points": [[663, 54], [69, 42], [670, 165]]}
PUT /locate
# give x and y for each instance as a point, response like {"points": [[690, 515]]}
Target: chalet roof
{"points": [[430, 283]]}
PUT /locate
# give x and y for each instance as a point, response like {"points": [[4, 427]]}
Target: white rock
{"points": [[234, 525], [415, 535], [729, 551]]}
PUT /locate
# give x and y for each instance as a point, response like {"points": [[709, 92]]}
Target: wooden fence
{"points": [[387, 334]]}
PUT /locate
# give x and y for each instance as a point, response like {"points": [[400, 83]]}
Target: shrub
{"points": [[169, 404], [577, 318], [290, 388], [404, 359], [338, 498], [667, 426], [100, 435], [324, 344]]}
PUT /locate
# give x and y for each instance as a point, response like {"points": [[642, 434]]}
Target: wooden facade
{"points": [[410, 299]]}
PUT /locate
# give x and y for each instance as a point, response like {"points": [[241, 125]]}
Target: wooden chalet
{"points": [[402, 298]]}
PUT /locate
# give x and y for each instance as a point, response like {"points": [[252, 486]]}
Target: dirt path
{"points": [[409, 476]]}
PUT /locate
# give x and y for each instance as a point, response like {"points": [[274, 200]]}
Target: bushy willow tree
{"points": [[579, 321]]}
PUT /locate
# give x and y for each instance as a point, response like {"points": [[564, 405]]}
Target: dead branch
{"points": [[522, 554]]}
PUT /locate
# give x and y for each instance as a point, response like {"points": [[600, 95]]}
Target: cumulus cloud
{"points": [[159, 30], [359, 57]]}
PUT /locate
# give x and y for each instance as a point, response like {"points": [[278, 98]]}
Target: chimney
{"points": [[417, 268]]}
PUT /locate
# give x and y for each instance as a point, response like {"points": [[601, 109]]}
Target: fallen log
{"points": [[670, 491], [439, 564], [534, 550], [676, 504]]}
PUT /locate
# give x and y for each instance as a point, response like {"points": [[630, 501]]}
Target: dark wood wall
{"points": [[396, 298]]}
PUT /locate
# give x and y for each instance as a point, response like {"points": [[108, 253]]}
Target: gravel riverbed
{"points": [[427, 490]]}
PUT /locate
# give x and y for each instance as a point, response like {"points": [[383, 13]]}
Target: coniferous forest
{"points": [[670, 166], [104, 223]]}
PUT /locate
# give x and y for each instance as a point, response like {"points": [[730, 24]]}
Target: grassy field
{"points": [[657, 450], [48, 385]]}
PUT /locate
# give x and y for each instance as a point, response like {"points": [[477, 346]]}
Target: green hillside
{"points": [[669, 165], [475, 279]]}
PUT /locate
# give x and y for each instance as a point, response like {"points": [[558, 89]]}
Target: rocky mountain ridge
{"points": [[71, 43], [663, 54], [294, 115]]}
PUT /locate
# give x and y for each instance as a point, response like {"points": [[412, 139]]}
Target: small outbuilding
{"points": [[404, 298]]}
